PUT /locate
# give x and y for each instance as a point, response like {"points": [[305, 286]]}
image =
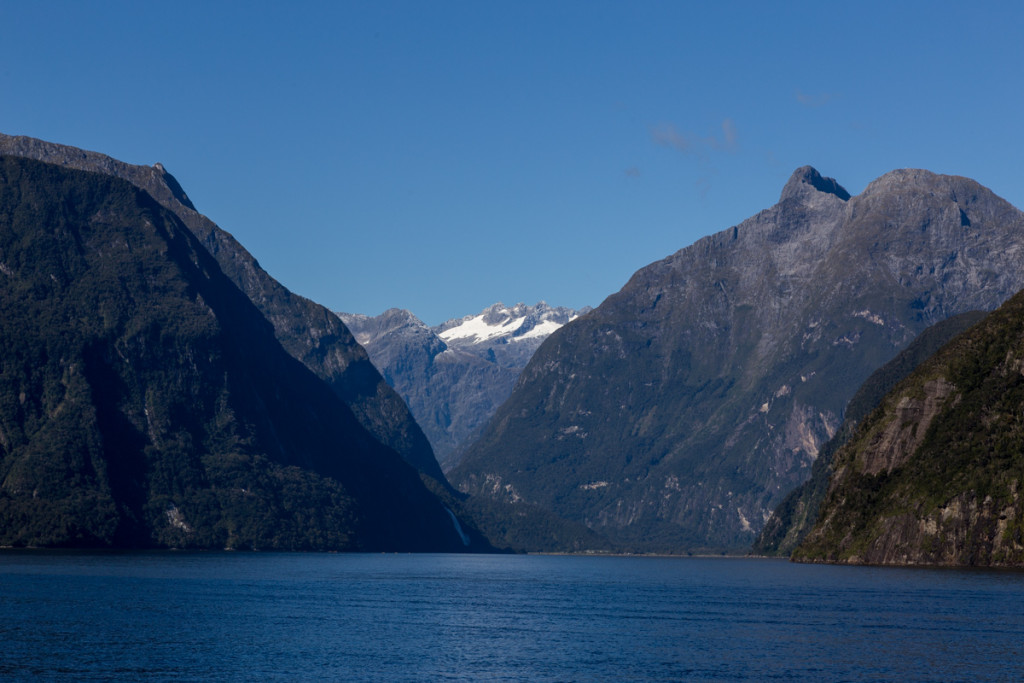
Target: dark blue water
{"points": [[223, 616]]}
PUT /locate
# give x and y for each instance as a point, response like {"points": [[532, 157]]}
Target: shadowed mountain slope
{"points": [[308, 331], [146, 402]]}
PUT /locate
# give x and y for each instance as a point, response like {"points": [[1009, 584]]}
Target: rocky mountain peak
{"points": [[174, 186], [499, 313], [806, 180], [961, 191], [501, 324], [900, 178], [394, 322], [399, 317], [679, 412]]}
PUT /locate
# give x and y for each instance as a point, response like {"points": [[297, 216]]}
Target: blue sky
{"points": [[442, 156]]}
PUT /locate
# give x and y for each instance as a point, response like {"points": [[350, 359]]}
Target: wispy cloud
{"points": [[702, 148], [729, 133], [816, 100], [703, 183], [666, 135]]}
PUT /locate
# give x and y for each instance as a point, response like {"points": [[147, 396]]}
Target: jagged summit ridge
{"points": [[806, 179], [500, 324], [155, 179]]}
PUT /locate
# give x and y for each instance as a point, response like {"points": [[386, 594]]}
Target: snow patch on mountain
{"points": [[454, 376], [476, 330], [501, 324], [543, 329]]}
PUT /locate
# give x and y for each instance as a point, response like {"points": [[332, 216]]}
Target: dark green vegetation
{"points": [[793, 519], [680, 412], [935, 474], [145, 401], [308, 331]]}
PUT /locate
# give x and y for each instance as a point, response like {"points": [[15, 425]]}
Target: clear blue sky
{"points": [[441, 156]]}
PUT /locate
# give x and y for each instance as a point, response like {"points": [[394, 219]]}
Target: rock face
{"points": [[793, 519], [308, 331], [934, 475], [455, 375], [145, 401], [676, 415]]}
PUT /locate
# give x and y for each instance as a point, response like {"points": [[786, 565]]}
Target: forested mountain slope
{"points": [[307, 330], [145, 401], [793, 519], [935, 474]]}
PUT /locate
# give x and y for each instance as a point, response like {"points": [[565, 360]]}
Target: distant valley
{"points": [[454, 375]]}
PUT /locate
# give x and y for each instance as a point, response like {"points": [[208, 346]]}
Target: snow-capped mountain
{"points": [[510, 335], [453, 376]]}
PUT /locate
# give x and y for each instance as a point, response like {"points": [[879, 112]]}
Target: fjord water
{"points": [[247, 616]]}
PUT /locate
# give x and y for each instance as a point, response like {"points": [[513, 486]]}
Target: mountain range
{"points": [[676, 415], [159, 389], [453, 376]]}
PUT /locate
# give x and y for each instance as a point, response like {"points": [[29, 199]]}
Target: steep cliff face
{"points": [[308, 331], [935, 474], [146, 402], [794, 517], [677, 414]]}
